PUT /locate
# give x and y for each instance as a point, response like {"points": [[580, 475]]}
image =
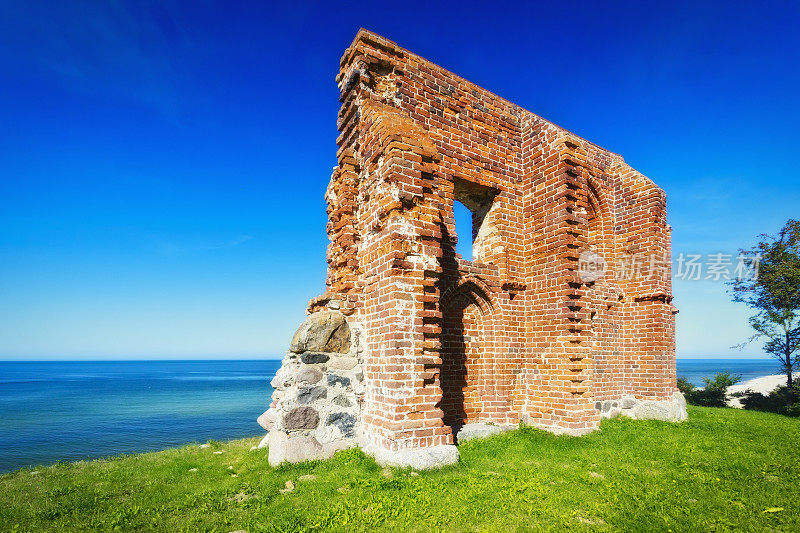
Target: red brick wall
{"points": [[542, 345]]}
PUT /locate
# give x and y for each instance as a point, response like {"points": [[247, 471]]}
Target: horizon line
{"points": [[266, 358]]}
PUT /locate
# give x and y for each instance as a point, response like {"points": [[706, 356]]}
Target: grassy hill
{"points": [[723, 470]]}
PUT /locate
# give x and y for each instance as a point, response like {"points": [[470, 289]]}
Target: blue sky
{"points": [[163, 164]]}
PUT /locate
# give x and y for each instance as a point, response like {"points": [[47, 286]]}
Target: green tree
{"points": [[774, 295]]}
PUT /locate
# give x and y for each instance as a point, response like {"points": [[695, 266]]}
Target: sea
{"points": [[54, 411]]}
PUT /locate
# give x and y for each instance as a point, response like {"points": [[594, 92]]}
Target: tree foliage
{"points": [[774, 294]]}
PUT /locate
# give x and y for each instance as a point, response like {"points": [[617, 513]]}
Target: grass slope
{"points": [[722, 470]]}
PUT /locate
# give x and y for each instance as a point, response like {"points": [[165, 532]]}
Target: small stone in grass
{"points": [[592, 521], [234, 475], [230, 467], [307, 477], [597, 475], [204, 446], [218, 452], [289, 487], [192, 470]]}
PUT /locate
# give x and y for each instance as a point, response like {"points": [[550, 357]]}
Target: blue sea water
{"points": [[71, 410], [695, 370]]}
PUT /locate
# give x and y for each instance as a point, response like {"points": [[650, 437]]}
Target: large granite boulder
{"points": [[672, 410], [294, 449], [323, 331]]}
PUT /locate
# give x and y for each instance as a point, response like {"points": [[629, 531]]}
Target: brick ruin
{"points": [[413, 348]]}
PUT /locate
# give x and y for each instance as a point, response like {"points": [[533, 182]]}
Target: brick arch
{"points": [[599, 219], [599, 228], [473, 285], [467, 350]]}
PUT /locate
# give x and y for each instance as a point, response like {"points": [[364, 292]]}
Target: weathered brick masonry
{"points": [[519, 334]]}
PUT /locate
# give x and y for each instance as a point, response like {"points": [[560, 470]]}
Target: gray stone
{"points": [[653, 410], [285, 374], [309, 374], [610, 409], [301, 418], [342, 401], [311, 394], [344, 421], [333, 379], [416, 458], [330, 448], [323, 331], [678, 398], [343, 363], [673, 410], [360, 376], [312, 358], [293, 449], [266, 419], [479, 431], [628, 402]]}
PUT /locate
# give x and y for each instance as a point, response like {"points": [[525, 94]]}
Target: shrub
{"points": [[714, 394], [685, 386], [722, 380]]}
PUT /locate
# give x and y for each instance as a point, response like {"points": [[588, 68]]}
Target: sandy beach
{"points": [[764, 385]]}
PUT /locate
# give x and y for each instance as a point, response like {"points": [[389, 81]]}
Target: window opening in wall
{"points": [[476, 229], [463, 218]]}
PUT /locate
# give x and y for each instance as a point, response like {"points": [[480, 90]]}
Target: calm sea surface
{"points": [[696, 369], [70, 410], [51, 411]]}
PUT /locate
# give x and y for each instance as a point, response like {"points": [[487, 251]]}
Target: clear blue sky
{"points": [[163, 164]]}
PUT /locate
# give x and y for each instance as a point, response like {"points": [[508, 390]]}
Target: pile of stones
{"points": [[318, 392]]}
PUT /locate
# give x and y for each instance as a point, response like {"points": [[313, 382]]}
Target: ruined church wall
{"points": [[555, 349]]}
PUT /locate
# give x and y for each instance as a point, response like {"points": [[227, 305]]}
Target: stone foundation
{"points": [[318, 391], [672, 410]]}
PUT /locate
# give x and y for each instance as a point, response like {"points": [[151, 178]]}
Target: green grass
{"points": [[723, 470]]}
